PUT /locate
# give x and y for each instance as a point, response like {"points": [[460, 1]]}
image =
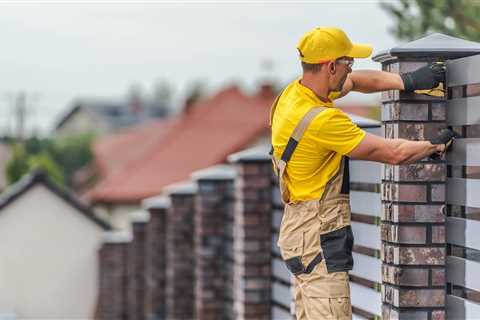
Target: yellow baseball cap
{"points": [[328, 43]]}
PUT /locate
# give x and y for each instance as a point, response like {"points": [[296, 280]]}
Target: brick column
{"points": [[155, 268], [413, 197], [136, 265], [252, 234], [112, 294], [213, 243], [180, 302]]}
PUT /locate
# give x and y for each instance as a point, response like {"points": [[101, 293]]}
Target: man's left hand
{"points": [[426, 77]]}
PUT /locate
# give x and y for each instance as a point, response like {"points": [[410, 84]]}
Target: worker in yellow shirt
{"points": [[311, 144]]}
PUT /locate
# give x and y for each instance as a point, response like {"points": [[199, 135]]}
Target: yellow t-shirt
{"points": [[318, 155]]}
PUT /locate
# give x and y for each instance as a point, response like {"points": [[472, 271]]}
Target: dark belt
{"points": [[296, 266]]}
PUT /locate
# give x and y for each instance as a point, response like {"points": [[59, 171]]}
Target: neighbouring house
{"points": [[138, 163], [49, 244], [106, 116]]}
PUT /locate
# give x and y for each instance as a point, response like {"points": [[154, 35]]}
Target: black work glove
{"points": [[446, 137], [427, 77]]}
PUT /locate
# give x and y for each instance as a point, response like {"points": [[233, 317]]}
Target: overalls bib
{"points": [[315, 238]]}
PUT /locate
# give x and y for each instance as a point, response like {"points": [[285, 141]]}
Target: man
{"points": [[311, 144]]}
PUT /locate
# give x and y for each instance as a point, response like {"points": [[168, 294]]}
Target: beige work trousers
{"points": [[318, 295]]}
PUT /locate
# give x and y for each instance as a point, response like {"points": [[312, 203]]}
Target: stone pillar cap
{"points": [[139, 216], [157, 202], [255, 154], [433, 45], [184, 187], [117, 236], [218, 172]]}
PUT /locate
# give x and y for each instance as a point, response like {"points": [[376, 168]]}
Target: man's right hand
{"points": [[427, 77], [443, 141]]}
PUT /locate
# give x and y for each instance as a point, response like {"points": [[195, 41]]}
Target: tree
{"points": [[17, 166], [416, 18]]}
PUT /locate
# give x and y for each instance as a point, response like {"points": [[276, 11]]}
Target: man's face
{"points": [[341, 67]]}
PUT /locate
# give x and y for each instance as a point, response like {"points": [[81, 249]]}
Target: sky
{"points": [[59, 51]]}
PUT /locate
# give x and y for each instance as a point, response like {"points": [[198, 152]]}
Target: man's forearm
{"points": [[412, 151], [369, 81]]}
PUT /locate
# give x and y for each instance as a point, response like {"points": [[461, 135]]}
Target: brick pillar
{"points": [[112, 294], [155, 268], [413, 197], [252, 234], [213, 243], [136, 265], [180, 285]]}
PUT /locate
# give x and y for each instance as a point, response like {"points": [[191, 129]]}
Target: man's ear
{"points": [[331, 67]]}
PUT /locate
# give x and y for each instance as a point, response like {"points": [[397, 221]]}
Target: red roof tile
{"points": [[140, 162]]}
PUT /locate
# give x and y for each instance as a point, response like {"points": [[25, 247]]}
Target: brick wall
{"points": [[413, 197], [180, 256], [155, 254], [252, 235], [112, 295], [137, 265], [213, 243]]}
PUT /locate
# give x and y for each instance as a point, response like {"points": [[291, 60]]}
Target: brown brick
{"points": [[420, 172], [439, 111], [395, 314], [415, 131], [421, 298], [438, 277], [405, 111], [403, 234], [404, 192], [405, 277], [412, 213], [413, 255], [438, 315], [438, 192], [438, 234]]}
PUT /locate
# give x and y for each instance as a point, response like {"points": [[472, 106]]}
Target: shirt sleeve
{"points": [[337, 132]]}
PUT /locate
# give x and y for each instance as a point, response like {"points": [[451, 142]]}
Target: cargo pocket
{"points": [[341, 307], [337, 249], [291, 249]]}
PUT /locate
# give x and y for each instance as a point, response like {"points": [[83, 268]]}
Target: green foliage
{"points": [[44, 162], [72, 153], [17, 166], [416, 18], [59, 157]]}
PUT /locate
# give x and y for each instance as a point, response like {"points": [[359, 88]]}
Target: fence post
{"points": [[252, 234], [214, 243], [112, 296], [180, 266], [413, 196]]}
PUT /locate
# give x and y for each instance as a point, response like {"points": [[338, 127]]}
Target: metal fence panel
{"points": [[463, 192], [365, 202], [465, 152], [367, 267], [366, 298], [463, 71], [463, 272], [459, 308], [366, 235], [463, 232], [365, 171], [281, 294]]}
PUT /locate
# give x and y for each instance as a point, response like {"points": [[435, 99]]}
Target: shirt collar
{"points": [[310, 94]]}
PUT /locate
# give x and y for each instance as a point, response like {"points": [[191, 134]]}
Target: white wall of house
{"points": [[48, 258], [118, 215], [83, 121]]}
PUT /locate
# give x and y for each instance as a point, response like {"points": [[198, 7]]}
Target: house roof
{"points": [[170, 150], [15, 191], [117, 113]]}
